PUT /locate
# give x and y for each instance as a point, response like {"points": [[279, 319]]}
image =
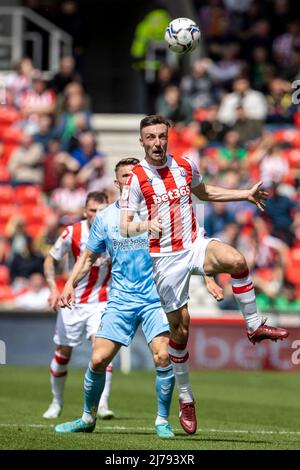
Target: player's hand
{"points": [[258, 196], [67, 298], [155, 227], [53, 298], [214, 289]]}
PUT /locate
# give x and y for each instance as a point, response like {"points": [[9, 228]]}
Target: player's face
{"points": [[122, 175], [154, 139], [91, 210]]}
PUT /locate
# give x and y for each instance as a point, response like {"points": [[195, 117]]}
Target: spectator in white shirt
{"points": [[253, 102]]}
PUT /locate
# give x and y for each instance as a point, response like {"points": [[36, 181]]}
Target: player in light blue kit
{"points": [[133, 300]]}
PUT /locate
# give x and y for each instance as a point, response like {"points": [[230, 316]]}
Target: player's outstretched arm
{"points": [[49, 272], [256, 195], [80, 270]]}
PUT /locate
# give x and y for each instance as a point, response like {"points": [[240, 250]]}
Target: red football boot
{"points": [[267, 332], [187, 416]]}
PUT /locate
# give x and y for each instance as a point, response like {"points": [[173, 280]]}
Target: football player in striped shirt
{"points": [[91, 295], [160, 189], [133, 301]]}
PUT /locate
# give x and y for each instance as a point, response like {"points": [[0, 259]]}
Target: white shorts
{"points": [[71, 324], [172, 273]]}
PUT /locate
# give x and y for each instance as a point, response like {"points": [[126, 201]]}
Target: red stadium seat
{"points": [[2, 228], [8, 150], [6, 194], [4, 174], [9, 116], [6, 212], [293, 272], [12, 135], [28, 194], [34, 229], [293, 275], [293, 157], [34, 214], [288, 136], [212, 152], [6, 293], [265, 273], [4, 275], [201, 114]]}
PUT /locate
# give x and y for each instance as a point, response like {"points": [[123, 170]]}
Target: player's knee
{"points": [[239, 263], [179, 332], [99, 362], [161, 358], [65, 351]]}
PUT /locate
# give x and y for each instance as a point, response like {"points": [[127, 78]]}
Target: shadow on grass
{"points": [[181, 436]]}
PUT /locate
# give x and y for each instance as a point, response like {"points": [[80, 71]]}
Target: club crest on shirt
{"points": [[150, 180], [183, 172]]}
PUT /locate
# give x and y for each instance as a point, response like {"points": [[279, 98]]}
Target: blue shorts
{"points": [[120, 321]]}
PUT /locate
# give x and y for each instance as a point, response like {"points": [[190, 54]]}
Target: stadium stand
{"points": [[260, 138]]}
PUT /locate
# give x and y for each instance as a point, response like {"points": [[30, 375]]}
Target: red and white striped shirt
{"points": [[165, 192], [92, 288]]}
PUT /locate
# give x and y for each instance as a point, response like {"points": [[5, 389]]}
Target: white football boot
{"points": [[105, 413], [53, 411]]}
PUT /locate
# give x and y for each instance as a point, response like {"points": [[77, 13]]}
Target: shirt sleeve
{"points": [[131, 195], [62, 245], [196, 176], [96, 242]]}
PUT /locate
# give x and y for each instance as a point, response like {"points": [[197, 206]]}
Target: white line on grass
{"points": [[139, 428]]}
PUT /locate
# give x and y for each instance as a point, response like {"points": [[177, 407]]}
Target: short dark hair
{"points": [[153, 119], [126, 161], [98, 196]]}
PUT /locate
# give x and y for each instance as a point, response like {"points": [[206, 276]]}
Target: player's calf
{"points": [[58, 371]]}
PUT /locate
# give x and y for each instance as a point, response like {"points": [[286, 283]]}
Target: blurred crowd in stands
{"points": [[233, 114], [49, 161]]}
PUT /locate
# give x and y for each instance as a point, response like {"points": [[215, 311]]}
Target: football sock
{"points": [[58, 370], [164, 386], [244, 294], [93, 387], [179, 359], [159, 420], [105, 394]]}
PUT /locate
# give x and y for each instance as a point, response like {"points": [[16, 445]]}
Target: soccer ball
{"points": [[182, 35]]}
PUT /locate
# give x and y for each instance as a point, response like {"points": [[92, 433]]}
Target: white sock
{"points": [[160, 420], [244, 294], [87, 418], [179, 358], [58, 370], [105, 394]]}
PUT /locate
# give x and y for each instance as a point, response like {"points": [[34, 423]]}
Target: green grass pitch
{"points": [[236, 410]]}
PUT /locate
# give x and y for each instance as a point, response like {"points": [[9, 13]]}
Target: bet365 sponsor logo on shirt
{"points": [[172, 194]]}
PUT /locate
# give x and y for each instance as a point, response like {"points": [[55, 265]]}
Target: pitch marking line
{"points": [[138, 428]]}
